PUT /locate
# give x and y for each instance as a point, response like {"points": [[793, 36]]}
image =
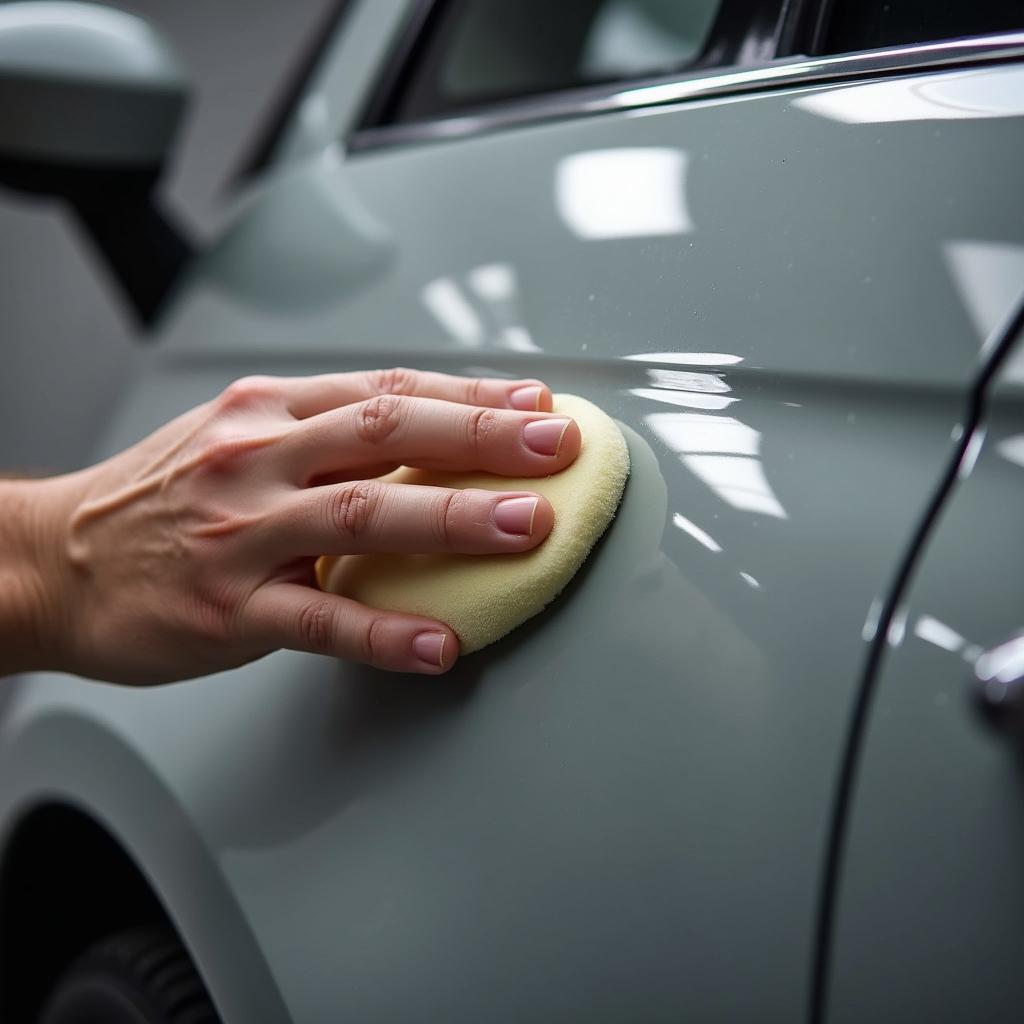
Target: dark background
{"points": [[66, 344]]}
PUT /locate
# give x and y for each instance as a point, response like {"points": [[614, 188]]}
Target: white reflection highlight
{"points": [[689, 399], [677, 380], [699, 535], [451, 309], [972, 652], [676, 91], [517, 338], [1012, 370], [1012, 449], [693, 432], [487, 313], [738, 481], [988, 278], [723, 452], [971, 452], [983, 94], [897, 628], [623, 193], [1003, 664], [747, 578], [687, 358], [870, 627], [493, 282], [932, 631]]}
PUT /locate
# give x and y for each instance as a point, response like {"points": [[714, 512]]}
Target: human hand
{"points": [[193, 551]]}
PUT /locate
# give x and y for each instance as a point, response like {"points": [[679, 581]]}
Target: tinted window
{"points": [[868, 24], [475, 52]]}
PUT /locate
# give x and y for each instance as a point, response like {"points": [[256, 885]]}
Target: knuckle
{"points": [[222, 454], [317, 626], [215, 522], [448, 514], [482, 424], [247, 391], [378, 418], [474, 390], [352, 507], [216, 605], [214, 619], [375, 641], [397, 380]]}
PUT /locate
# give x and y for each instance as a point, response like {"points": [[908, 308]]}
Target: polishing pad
{"points": [[482, 597]]}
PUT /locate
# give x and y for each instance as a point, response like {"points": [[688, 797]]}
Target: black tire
{"points": [[140, 976]]}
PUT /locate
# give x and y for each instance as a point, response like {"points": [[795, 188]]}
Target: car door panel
{"points": [[928, 925], [621, 809]]}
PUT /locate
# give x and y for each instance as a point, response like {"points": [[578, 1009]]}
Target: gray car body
{"points": [[622, 811]]}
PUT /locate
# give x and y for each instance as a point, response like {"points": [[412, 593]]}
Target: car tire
{"points": [[139, 976]]}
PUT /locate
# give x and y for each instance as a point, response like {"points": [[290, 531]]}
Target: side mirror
{"points": [[83, 85], [90, 103]]}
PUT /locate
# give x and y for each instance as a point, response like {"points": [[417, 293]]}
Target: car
{"points": [[760, 761]]}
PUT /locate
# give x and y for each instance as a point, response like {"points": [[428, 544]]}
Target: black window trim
{"points": [[779, 73], [261, 147], [743, 32]]}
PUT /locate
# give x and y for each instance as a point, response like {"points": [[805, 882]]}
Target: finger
{"points": [[369, 515], [431, 434], [309, 396], [303, 619], [355, 473]]}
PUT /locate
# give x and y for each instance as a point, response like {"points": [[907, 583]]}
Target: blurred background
{"points": [[67, 346]]}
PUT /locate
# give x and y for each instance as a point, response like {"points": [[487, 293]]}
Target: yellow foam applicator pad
{"points": [[482, 597]]}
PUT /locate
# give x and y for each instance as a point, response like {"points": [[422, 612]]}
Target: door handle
{"points": [[999, 686]]}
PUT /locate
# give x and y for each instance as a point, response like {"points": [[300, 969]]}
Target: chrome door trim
{"points": [[700, 85]]}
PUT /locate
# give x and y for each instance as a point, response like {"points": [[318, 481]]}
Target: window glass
{"points": [[481, 51], [869, 24]]}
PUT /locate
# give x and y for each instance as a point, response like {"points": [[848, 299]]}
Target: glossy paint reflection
{"points": [[447, 303], [724, 453], [690, 399], [699, 535], [658, 751], [935, 834], [938, 632], [686, 358], [989, 278], [307, 244], [481, 311], [1012, 449], [931, 630], [623, 193], [1003, 664], [978, 94]]}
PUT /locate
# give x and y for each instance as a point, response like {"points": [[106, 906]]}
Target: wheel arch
{"points": [[65, 882], [86, 824]]}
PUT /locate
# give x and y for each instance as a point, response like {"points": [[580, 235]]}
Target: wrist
{"points": [[33, 573]]}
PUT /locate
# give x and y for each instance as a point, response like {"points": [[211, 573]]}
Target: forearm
{"points": [[29, 558]]}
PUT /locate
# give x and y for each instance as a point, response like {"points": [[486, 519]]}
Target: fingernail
{"points": [[527, 399], [545, 436], [515, 515], [429, 647]]}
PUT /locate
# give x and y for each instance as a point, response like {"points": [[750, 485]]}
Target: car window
{"points": [[475, 52], [869, 24]]}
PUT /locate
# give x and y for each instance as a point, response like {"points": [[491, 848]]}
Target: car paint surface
{"points": [[621, 809], [929, 917]]}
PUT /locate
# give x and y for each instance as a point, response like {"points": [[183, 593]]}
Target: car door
{"points": [[776, 272], [929, 922]]}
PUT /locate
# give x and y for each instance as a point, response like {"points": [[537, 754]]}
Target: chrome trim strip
{"points": [[776, 74]]}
